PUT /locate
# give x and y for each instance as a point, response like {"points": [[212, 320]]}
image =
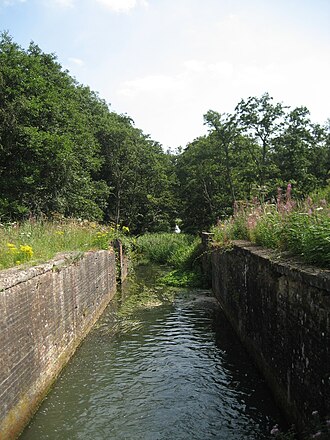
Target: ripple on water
{"points": [[175, 372]]}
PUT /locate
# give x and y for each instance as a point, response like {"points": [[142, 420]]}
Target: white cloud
{"points": [[118, 5], [144, 3], [123, 5], [182, 98], [10, 2], [76, 61], [63, 4]]}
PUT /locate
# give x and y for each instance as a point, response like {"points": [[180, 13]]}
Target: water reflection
{"points": [[168, 367]]}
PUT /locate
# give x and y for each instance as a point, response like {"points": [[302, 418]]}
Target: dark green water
{"points": [[159, 365]]}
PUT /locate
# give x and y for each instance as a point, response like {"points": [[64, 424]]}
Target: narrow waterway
{"points": [[161, 364]]}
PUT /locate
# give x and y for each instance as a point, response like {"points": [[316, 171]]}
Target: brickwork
{"points": [[45, 312], [281, 311]]}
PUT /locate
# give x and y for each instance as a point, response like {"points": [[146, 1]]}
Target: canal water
{"points": [[161, 364]]}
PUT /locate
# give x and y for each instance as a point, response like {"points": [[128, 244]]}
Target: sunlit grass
{"points": [[34, 242]]}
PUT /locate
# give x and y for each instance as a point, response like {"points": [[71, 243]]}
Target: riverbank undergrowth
{"points": [[299, 228], [34, 242], [179, 251]]}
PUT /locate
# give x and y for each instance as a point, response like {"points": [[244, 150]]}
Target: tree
{"points": [[48, 149], [300, 152], [225, 127], [140, 176], [262, 121]]}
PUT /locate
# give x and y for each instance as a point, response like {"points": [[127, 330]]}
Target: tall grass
{"points": [[180, 251], [302, 229], [167, 248], [34, 242]]}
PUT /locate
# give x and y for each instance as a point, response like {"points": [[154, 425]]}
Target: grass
{"points": [[164, 248], [179, 251], [302, 229], [34, 242]]}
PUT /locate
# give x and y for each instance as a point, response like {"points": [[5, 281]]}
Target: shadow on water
{"points": [[161, 364]]}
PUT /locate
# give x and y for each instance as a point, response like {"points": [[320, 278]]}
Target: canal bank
{"points": [[280, 312], [161, 363], [45, 312], [280, 309]]}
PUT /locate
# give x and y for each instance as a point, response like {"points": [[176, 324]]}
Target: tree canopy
{"points": [[63, 151], [259, 148]]}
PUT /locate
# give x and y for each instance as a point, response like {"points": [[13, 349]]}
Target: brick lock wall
{"points": [[281, 311], [45, 312]]}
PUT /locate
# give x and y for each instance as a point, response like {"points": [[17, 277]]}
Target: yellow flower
{"points": [[17, 262], [59, 232], [26, 250], [12, 248]]}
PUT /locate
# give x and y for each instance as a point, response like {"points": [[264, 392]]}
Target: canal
{"points": [[161, 364]]}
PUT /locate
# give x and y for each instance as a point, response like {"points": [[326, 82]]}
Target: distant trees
{"points": [[260, 147], [63, 151]]}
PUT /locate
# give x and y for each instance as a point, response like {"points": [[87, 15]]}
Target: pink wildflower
{"points": [[288, 191], [279, 199]]}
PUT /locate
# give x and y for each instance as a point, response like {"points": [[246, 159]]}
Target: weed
{"points": [[303, 229]]}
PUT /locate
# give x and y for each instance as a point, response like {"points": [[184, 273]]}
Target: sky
{"points": [[165, 63]]}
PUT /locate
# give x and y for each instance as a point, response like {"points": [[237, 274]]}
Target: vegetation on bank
{"points": [[299, 228], [64, 151], [261, 146], [179, 251], [34, 242], [319, 429], [65, 154]]}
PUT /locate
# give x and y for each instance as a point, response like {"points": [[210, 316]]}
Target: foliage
{"points": [[48, 152], [164, 248], [250, 153], [302, 229], [308, 235], [33, 242], [181, 278], [180, 251], [63, 151]]}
